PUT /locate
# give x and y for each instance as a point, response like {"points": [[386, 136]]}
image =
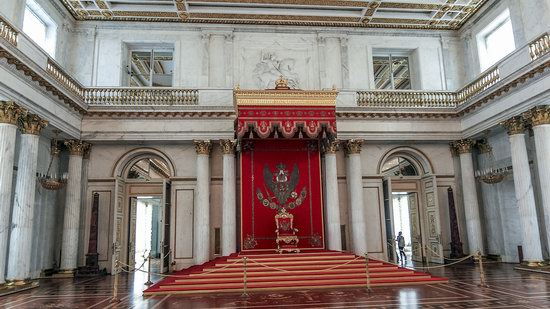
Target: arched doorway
{"points": [[411, 207], [142, 209]]}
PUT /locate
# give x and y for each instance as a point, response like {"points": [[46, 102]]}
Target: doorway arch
{"points": [[411, 204]]}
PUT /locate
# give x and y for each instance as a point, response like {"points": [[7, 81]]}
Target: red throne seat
{"points": [[287, 240]]}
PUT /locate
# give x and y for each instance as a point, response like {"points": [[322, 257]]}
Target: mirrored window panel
{"points": [[391, 72], [151, 68]]}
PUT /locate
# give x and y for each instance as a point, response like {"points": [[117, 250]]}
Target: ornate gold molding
{"points": [[77, 147], [31, 124], [10, 112], [282, 97], [87, 151], [514, 125], [332, 146], [353, 146], [203, 147], [539, 115], [228, 146], [464, 145], [454, 150]]}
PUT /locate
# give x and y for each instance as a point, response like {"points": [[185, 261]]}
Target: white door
{"points": [[118, 216], [165, 230], [132, 233], [414, 219], [433, 224]]}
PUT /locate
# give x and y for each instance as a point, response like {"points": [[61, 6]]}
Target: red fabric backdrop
{"points": [[257, 216]]}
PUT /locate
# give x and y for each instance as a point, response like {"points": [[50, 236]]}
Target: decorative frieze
{"points": [[353, 146], [332, 146], [31, 124], [464, 145], [514, 125], [77, 147], [228, 146], [539, 115], [203, 147], [9, 112]]}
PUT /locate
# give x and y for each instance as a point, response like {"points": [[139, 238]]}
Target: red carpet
{"points": [[311, 270]]}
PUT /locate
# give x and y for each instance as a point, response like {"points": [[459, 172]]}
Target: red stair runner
{"points": [[311, 270]]}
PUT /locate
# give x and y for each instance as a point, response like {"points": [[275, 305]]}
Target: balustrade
{"points": [[141, 96], [7, 32], [64, 78], [540, 46]]}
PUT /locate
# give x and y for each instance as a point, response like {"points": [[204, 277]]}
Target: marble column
{"points": [[229, 208], [71, 220], [82, 240], [332, 201], [357, 207], [216, 60], [201, 236], [9, 114], [19, 259], [471, 205], [50, 213], [531, 244], [540, 121]]}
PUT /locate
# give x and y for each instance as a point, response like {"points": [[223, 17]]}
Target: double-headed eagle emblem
{"points": [[280, 188]]}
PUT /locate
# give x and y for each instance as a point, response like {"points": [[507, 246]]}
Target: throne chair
{"points": [[287, 240]]}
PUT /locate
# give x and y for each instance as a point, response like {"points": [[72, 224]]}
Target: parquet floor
{"points": [[508, 289]]}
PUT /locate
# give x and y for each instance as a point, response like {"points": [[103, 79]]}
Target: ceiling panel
{"points": [[405, 14]]}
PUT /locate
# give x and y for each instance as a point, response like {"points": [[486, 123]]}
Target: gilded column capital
{"points": [[54, 148], [484, 146], [353, 146], [539, 115], [454, 150], [514, 125], [10, 112], [203, 147], [228, 146], [31, 124], [464, 145], [76, 147], [332, 146]]}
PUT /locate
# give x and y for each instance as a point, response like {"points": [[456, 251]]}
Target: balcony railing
{"points": [[406, 99], [64, 78], [540, 46], [141, 96], [7, 32]]}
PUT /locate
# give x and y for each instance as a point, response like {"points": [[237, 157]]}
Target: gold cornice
{"points": [[332, 146], [31, 124], [203, 147], [353, 146], [285, 97], [160, 114], [76, 147], [464, 145], [228, 146], [10, 112], [514, 125], [539, 115]]}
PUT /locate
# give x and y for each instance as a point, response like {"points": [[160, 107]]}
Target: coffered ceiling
{"points": [[405, 14]]}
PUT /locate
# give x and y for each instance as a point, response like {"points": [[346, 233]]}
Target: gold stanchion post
{"points": [[482, 279], [149, 282], [115, 285], [245, 294], [367, 271]]}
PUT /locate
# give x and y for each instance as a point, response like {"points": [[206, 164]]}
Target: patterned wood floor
{"points": [[508, 289]]}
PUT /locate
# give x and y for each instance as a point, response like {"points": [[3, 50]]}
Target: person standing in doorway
{"points": [[401, 245]]}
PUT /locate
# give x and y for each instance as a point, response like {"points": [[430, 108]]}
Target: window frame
{"points": [[152, 50], [390, 54], [49, 45], [485, 61]]}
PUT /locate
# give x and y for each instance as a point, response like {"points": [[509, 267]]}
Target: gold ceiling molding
{"points": [[369, 14], [285, 97]]}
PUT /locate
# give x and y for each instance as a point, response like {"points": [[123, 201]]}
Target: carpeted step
{"points": [[239, 274]]}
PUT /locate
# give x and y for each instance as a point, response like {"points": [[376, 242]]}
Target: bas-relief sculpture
{"points": [[271, 66]]}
